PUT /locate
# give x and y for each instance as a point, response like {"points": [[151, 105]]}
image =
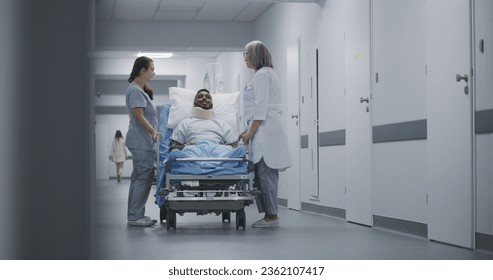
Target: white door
{"points": [[293, 95], [308, 127], [358, 120], [450, 199], [102, 152]]}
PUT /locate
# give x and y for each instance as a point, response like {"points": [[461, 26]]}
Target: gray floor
{"points": [[302, 236]]}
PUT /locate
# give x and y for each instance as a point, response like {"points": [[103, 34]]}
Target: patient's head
{"points": [[203, 99]]}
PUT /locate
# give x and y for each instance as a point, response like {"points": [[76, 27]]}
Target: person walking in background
{"points": [[264, 132], [141, 137], [118, 153]]}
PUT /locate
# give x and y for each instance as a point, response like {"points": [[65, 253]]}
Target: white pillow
{"points": [[181, 99]]}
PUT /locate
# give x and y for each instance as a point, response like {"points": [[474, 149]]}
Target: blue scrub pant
{"points": [[266, 180], [140, 183]]}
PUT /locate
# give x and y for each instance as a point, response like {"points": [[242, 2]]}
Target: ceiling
{"points": [[184, 10], [181, 11]]}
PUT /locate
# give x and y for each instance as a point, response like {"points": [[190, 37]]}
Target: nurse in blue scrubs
{"points": [[141, 137]]}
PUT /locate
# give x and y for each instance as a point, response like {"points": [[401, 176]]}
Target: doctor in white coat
{"points": [[265, 132]]}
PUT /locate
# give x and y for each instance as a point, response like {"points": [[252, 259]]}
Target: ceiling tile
{"points": [[135, 10], [174, 16], [181, 5], [252, 11], [220, 10]]}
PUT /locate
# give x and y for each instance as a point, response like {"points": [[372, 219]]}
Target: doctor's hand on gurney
{"points": [[246, 135]]}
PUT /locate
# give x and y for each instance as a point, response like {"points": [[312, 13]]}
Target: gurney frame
{"points": [[206, 194]]}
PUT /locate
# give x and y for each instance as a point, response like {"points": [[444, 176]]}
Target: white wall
{"points": [[235, 73], [123, 66], [280, 25], [396, 193], [196, 69]]}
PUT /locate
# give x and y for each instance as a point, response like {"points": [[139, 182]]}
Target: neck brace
{"points": [[200, 113]]}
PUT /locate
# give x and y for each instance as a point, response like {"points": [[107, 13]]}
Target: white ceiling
{"points": [[184, 10]]}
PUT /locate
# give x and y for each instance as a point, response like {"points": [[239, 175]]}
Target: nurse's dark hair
{"points": [[149, 91], [259, 54], [142, 62]]}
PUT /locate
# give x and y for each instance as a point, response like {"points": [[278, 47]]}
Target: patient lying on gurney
{"points": [[203, 136], [202, 125]]}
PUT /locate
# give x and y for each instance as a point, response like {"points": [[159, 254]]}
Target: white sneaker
{"points": [[142, 222], [263, 223], [150, 219]]}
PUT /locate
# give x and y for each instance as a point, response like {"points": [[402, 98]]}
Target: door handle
{"points": [[294, 116], [367, 100], [458, 78]]}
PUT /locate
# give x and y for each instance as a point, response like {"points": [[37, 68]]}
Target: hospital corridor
{"points": [[382, 108]]}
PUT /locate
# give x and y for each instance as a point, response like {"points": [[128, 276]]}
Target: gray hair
{"points": [[259, 54]]}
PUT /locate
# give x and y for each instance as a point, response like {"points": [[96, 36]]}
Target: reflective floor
{"points": [[301, 236]]}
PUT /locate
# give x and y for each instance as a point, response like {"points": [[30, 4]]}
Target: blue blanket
{"points": [[206, 149]]}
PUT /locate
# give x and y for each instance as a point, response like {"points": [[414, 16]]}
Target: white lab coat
{"points": [[262, 101]]}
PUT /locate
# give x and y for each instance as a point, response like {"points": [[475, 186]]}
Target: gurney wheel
{"points": [[163, 213], [171, 219], [226, 216], [240, 219]]}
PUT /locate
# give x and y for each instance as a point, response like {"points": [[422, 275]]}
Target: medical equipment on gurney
{"points": [[206, 193]]}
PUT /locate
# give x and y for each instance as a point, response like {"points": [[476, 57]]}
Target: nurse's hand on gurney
{"points": [[156, 136]]}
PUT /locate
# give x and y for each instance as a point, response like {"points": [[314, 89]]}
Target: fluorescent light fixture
{"points": [[155, 54]]}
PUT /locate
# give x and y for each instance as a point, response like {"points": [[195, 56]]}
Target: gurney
{"points": [[201, 185]]}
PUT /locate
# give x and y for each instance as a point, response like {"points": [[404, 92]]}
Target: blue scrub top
{"points": [[137, 137]]}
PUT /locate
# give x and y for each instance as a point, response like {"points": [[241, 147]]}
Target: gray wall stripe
{"points": [[413, 228], [412, 130], [332, 138], [304, 141], [484, 121], [111, 110], [319, 209], [118, 110]]}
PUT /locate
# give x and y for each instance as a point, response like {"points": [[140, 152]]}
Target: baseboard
{"points": [[484, 242], [325, 210], [282, 202], [402, 226]]}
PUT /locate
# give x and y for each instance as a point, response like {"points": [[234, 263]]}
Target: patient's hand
{"points": [[176, 145]]}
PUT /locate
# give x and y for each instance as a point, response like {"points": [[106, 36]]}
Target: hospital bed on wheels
{"points": [[207, 194], [221, 191]]}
